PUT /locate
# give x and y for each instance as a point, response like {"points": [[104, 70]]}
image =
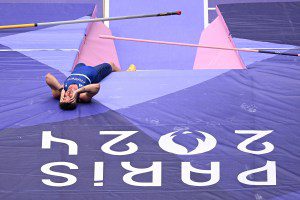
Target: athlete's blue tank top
{"points": [[81, 76]]}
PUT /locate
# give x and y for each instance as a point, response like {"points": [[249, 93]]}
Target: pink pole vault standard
{"points": [[196, 45]]}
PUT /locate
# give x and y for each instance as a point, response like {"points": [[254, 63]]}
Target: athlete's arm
{"points": [[55, 86], [87, 92]]}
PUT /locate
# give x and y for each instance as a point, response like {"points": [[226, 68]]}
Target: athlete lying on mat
{"points": [[81, 85]]}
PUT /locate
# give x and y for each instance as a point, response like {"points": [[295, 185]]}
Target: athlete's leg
{"points": [[103, 70], [54, 84], [114, 67]]}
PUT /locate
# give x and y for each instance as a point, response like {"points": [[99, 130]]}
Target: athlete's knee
{"points": [[107, 68]]}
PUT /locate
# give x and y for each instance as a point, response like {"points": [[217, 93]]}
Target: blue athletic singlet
{"points": [[84, 75]]}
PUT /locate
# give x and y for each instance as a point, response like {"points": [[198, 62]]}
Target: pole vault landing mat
{"points": [[151, 134]]}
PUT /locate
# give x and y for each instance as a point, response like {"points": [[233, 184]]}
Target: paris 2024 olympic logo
{"points": [[201, 143]]}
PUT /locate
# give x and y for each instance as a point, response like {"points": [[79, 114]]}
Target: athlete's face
{"points": [[69, 93]]}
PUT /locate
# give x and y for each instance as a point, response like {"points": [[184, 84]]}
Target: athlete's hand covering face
{"points": [[74, 97], [70, 95]]}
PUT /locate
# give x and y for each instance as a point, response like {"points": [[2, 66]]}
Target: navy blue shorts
{"points": [[103, 70]]}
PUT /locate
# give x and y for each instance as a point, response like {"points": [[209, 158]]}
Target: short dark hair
{"points": [[67, 105]]}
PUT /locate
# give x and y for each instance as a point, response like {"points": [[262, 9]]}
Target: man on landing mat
{"points": [[81, 85]]}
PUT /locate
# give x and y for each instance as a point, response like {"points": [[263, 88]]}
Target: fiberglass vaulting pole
{"points": [[88, 20], [197, 45]]}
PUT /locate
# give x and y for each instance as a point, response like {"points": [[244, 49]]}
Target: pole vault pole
{"points": [[87, 20], [197, 45]]}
